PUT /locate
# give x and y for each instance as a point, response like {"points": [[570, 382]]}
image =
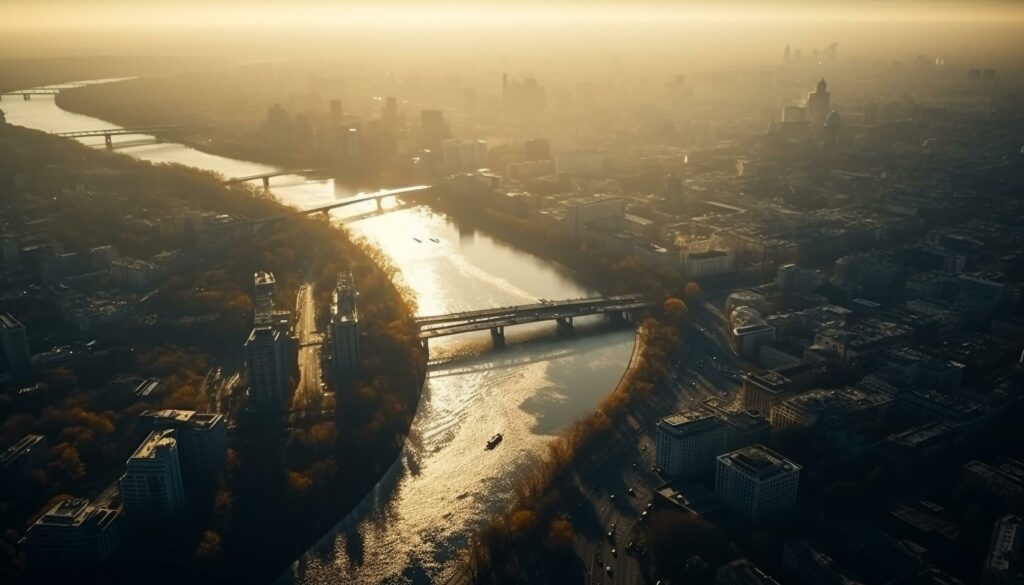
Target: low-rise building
{"points": [[1003, 565], [806, 409]]}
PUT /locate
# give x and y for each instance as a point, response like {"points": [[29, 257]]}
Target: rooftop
{"points": [[758, 461], [154, 444]]}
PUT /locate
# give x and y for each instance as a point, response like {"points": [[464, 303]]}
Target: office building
{"points": [[71, 535], [463, 155], [151, 484], [202, 441], [689, 442], [17, 359], [344, 331], [756, 481], [433, 128], [267, 368], [818, 104]]}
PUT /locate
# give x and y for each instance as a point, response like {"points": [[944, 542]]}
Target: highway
{"points": [[309, 394], [698, 372]]}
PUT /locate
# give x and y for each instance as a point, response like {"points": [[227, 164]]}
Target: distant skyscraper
{"points": [[537, 149], [673, 186], [345, 331], [267, 368], [151, 484], [818, 104], [17, 359], [434, 128], [785, 55], [389, 114]]}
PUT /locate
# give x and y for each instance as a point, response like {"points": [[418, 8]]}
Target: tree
{"points": [[209, 547], [676, 311], [692, 292]]}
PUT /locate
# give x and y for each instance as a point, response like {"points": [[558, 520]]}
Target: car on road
{"points": [[614, 552], [631, 492], [612, 497], [611, 535], [608, 569]]}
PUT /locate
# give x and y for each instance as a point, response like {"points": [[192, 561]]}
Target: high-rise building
{"points": [[202, 441], [263, 297], [433, 128], [71, 535], [17, 359], [151, 484], [818, 104], [344, 331], [756, 481], [463, 155], [337, 112], [267, 368], [537, 149]]}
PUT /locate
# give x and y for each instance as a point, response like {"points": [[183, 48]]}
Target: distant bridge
{"points": [[107, 134], [497, 319], [27, 94], [269, 175], [378, 196]]}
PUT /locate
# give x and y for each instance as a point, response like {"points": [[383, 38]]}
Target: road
{"points": [[309, 394], [699, 371]]}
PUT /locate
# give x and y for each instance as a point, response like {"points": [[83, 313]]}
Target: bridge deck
{"points": [[337, 204], [118, 131], [532, 307], [270, 174], [506, 316]]}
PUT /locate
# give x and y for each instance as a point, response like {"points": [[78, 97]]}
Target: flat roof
{"points": [[759, 461]]}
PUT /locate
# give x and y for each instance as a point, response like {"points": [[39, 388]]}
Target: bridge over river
{"points": [[497, 319]]}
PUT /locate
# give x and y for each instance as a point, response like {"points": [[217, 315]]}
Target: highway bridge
{"points": [[497, 319], [110, 132], [269, 175]]}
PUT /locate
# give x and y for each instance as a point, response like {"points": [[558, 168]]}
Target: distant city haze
{"points": [[695, 34]]}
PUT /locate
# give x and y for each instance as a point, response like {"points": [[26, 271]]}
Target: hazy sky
{"points": [[73, 27]]}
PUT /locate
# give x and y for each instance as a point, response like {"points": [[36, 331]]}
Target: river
{"points": [[410, 528]]}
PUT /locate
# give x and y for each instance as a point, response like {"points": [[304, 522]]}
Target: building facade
{"points": [[756, 481], [151, 484]]}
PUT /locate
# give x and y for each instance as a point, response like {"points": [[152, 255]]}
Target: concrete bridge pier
{"points": [[564, 324], [498, 336], [109, 141], [425, 342], [266, 183], [380, 206], [27, 96]]}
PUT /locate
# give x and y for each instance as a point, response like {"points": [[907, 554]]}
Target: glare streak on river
{"points": [[409, 528]]}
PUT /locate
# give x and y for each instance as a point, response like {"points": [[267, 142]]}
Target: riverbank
{"points": [[283, 486]]}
